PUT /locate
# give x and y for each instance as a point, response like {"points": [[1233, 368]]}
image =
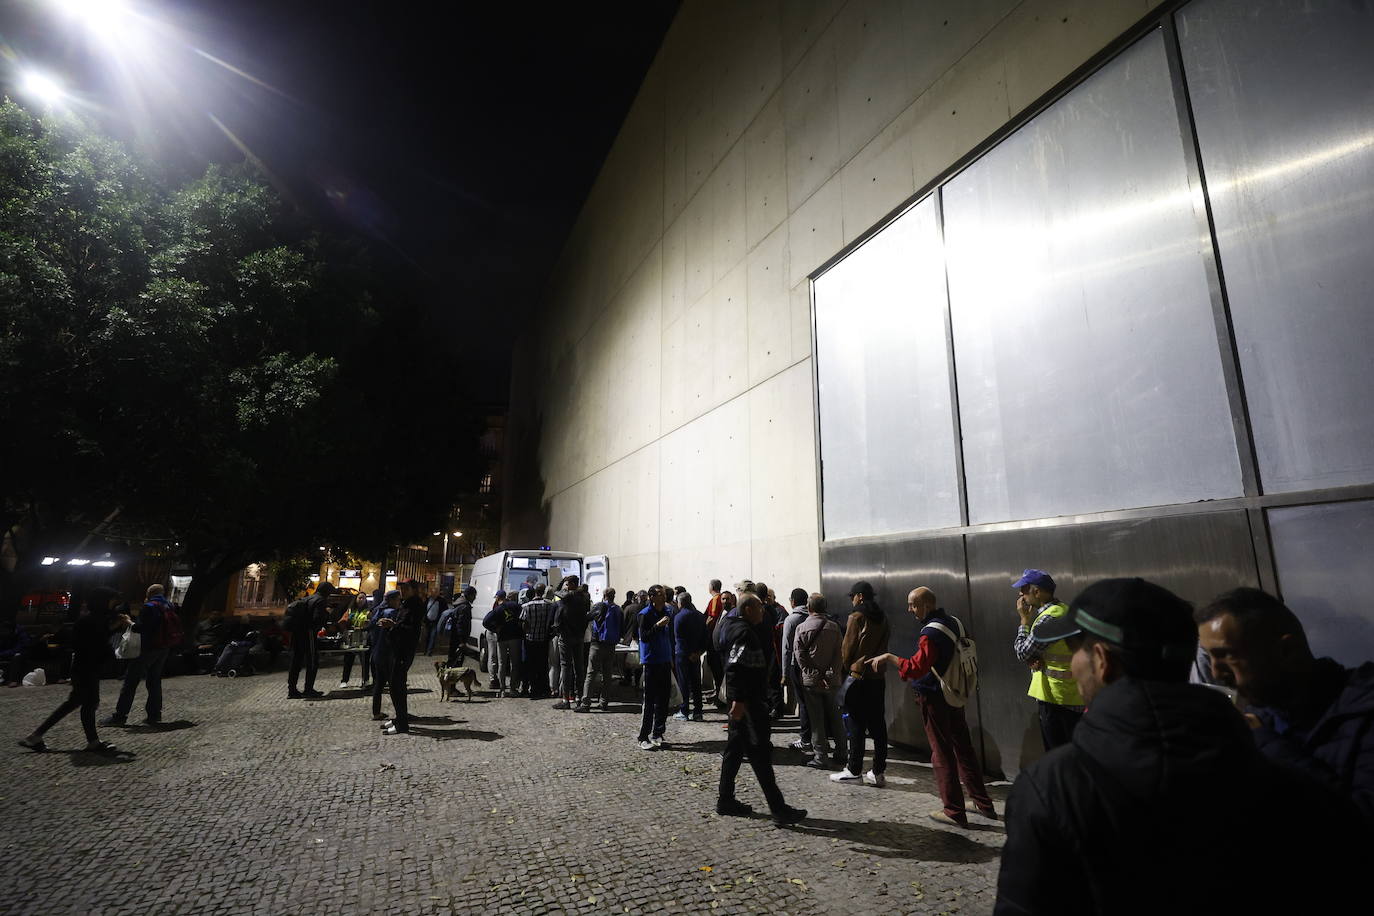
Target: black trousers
{"points": [[457, 644], [381, 670], [1057, 723], [689, 684], [865, 714], [535, 671], [775, 704], [657, 686], [85, 696], [803, 714], [303, 653], [400, 670], [717, 669], [750, 737]]}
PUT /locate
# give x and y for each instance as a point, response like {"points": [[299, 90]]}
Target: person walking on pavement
{"points": [[865, 702], [606, 625], [457, 623], [91, 650], [817, 653], [403, 632], [536, 616], [302, 623], [690, 640], [951, 749], [152, 627], [746, 673], [656, 659], [570, 626], [1058, 702], [790, 672]]}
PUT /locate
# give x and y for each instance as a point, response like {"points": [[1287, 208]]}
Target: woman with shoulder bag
{"points": [[91, 649]]}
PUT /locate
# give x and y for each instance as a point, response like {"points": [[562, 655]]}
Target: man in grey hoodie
{"points": [[816, 653]]}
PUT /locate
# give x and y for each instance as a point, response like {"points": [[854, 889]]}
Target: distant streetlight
{"points": [[444, 561], [42, 88]]}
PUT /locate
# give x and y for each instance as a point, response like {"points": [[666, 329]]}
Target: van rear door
{"points": [[597, 575]]}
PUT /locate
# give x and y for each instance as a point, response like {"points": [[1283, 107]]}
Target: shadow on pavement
{"points": [[895, 840], [88, 759], [175, 725], [456, 734]]}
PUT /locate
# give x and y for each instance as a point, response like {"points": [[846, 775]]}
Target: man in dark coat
{"points": [[746, 680], [1310, 714], [1109, 823], [403, 636]]}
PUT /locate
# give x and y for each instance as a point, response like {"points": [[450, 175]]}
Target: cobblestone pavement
{"points": [[245, 802]]}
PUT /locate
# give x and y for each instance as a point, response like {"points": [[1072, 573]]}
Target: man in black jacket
{"points": [[460, 626], [302, 625], [570, 628], [403, 636], [1110, 823], [746, 681]]}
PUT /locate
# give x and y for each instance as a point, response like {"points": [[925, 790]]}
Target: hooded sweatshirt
{"points": [[1109, 823], [865, 637]]}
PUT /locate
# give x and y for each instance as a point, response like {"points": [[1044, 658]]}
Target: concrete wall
{"points": [[664, 416]]}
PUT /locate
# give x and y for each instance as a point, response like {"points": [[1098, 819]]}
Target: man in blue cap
{"points": [[1058, 701]]}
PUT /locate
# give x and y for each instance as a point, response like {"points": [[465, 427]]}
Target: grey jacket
{"points": [[816, 650]]}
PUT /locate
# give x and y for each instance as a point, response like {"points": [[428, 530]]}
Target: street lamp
{"points": [[444, 561]]}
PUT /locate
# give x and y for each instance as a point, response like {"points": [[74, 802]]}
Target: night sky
{"points": [[460, 139]]}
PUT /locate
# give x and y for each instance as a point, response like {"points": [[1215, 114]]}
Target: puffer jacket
{"points": [[865, 637]]}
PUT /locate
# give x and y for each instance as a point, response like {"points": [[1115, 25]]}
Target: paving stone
{"points": [[246, 802]]}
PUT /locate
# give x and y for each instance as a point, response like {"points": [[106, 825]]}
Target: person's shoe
{"points": [[698, 717], [112, 719], [605, 705], [974, 809], [646, 745], [343, 685], [940, 817], [311, 694], [393, 730], [657, 740], [581, 707], [294, 694], [733, 807], [818, 763], [788, 815], [680, 716], [800, 745], [844, 776], [33, 743], [877, 780], [387, 723], [500, 694], [562, 704], [152, 721], [378, 717], [100, 747], [493, 685]]}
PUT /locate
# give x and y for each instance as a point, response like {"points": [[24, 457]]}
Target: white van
{"points": [[514, 570]]}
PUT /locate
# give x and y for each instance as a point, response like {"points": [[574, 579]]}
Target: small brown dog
{"points": [[450, 678]]}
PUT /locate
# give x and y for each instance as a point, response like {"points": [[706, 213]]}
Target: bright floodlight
{"points": [[42, 88], [95, 14]]}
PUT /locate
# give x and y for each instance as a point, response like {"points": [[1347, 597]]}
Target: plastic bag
{"points": [[36, 678], [128, 644]]}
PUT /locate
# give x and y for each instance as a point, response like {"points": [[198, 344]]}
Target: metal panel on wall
{"points": [[1090, 375], [1325, 574], [1197, 556], [895, 566], [1283, 99], [882, 367]]}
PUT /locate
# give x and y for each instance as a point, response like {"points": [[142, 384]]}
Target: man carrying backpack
{"points": [[160, 630], [942, 686]]}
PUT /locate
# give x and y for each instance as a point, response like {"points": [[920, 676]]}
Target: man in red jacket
{"points": [[951, 749]]}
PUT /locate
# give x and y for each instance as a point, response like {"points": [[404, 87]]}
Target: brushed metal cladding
{"points": [[883, 378], [895, 566], [1325, 574], [1283, 99], [1089, 373], [1197, 556]]}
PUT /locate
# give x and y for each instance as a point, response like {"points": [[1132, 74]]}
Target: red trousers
{"points": [[952, 757]]}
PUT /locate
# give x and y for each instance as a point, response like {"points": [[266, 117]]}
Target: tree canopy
{"points": [[201, 365]]}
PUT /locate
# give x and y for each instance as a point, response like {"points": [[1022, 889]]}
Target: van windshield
{"points": [[522, 572]]}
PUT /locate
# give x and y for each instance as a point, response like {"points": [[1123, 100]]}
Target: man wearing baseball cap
{"points": [[1108, 823], [1058, 702]]}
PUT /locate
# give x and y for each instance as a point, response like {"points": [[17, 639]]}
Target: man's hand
{"points": [[737, 711], [386, 623], [663, 621], [1035, 664], [1024, 610], [877, 663]]}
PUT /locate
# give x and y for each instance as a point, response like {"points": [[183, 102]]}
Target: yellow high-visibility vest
{"points": [[1054, 682]]}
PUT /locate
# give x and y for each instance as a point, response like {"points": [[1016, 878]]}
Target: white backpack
{"points": [[960, 679]]}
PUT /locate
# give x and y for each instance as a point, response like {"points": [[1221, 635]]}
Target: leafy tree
{"points": [[202, 365]]}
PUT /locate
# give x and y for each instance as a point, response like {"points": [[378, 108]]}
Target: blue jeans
{"points": [[148, 668]]}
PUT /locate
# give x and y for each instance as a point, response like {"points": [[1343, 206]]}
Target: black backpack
{"points": [[297, 614]]}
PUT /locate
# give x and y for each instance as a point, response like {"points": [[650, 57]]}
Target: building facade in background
{"points": [[931, 292]]}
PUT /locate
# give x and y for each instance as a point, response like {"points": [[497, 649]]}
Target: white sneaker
{"points": [[658, 742], [343, 685], [646, 745], [843, 776], [874, 779]]}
